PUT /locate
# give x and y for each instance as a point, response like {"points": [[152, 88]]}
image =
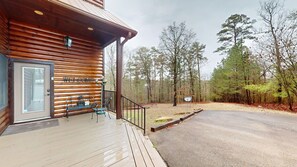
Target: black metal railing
{"points": [[133, 113], [110, 95]]}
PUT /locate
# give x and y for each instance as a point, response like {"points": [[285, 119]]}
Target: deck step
{"points": [[154, 154], [144, 152], [135, 148], [143, 148]]}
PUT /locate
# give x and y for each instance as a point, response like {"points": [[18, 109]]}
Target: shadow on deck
{"points": [[80, 141]]}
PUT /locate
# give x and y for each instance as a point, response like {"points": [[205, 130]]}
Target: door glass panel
{"points": [[33, 89]]}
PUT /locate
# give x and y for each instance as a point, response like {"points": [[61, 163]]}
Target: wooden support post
{"points": [[119, 73]]}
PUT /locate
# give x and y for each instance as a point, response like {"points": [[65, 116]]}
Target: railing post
{"points": [[144, 120], [119, 72]]}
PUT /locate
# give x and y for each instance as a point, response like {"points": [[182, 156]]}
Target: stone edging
{"points": [[177, 121]]}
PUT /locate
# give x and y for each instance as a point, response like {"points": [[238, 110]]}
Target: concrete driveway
{"points": [[230, 138]]}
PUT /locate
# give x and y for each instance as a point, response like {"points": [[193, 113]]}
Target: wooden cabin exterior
{"points": [[44, 74]]}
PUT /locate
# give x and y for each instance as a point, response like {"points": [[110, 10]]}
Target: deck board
{"points": [[142, 148], [135, 148], [79, 141], [152, 152]]}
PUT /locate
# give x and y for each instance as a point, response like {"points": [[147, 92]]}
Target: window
{"points": [[3, 82]]}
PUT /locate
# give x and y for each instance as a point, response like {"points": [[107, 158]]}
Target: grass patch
{"points": [[182, 113], [164, 119]]}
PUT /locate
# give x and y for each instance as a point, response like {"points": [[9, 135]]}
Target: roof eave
{"points": [[102, 20]]}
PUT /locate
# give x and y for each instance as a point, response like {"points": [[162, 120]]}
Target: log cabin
{"points": [[52, 51]]}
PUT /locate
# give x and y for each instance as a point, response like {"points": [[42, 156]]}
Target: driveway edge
{"points": [[177, 121]]}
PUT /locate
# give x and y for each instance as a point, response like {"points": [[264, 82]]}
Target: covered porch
{"points": [[62, 43], [80, 141]]}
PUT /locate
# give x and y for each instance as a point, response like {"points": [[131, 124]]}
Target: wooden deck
{"points": [[80, 142]]}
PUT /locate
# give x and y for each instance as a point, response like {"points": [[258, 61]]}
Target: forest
{"points": [[259, 65]]}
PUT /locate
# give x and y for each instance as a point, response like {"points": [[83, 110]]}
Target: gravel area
{"points": [[158, 110], [230, 138]]}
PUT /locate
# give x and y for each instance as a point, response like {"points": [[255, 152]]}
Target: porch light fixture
{"points": [[90, 28], [67, 41], [104, 81], [38, 12]]}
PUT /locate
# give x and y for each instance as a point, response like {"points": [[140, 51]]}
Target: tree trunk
{"points": [[265, 94], [279, 90], [161, 86], [199, 81], [192, 81], [248, 99], [246, 76], [175, 81], [290, 101]]}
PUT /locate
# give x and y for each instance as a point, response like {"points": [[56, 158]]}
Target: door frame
{"points": [[11, 62]]}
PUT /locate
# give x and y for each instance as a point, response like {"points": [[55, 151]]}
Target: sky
{"points": [[204, 17]]}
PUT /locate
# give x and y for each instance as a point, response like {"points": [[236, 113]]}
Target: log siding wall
{"points": [[3, 34], [4, 113], [83, 60]]}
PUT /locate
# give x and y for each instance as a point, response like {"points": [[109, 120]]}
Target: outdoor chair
{"points": [[101, 110]]}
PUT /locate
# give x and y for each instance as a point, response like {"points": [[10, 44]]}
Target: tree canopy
{"points": [[235, 30]]}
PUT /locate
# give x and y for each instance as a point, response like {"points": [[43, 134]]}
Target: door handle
{"points": [[48, 92]]}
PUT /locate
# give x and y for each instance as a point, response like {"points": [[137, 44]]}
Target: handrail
{"points": [[133, 102], [133, 113]]}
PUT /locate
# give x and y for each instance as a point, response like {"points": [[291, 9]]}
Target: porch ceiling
{"points": [[68, 18]]}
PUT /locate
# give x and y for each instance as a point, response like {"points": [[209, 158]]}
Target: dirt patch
{"points": [[241, 107], [155, 111], [280, 107]]}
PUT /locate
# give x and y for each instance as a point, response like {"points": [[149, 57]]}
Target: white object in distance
{"points": [[188, 98]]}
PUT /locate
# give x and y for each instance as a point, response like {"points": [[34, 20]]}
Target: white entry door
{"points": [[31, 92]]}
